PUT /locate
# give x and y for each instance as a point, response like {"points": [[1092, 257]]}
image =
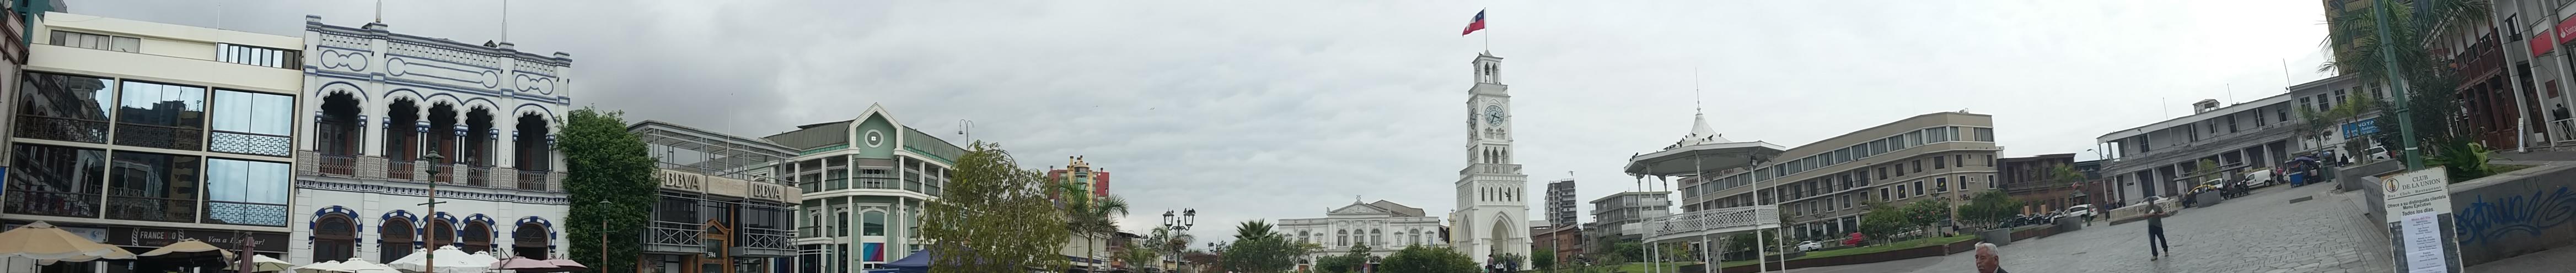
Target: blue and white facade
{"points": [[380, 102], [865, 183]]}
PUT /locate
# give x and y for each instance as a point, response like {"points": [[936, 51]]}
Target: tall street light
{"points": [[430, 263], [1178, 224]]}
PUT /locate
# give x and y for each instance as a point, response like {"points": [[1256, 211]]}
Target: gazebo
{"points": [[1706, 153]]}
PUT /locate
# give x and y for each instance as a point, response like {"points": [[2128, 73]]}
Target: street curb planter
{"points": [[2070, 224], [2000, 236]]}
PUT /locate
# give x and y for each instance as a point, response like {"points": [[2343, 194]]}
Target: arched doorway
{"points": [[1503, 239], [335, 238], [441, 234], [530, 240], [397, 239], [477, 237]]}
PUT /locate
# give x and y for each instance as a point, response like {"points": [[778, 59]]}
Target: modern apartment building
{"points": [[1093, 182], [140, 134], [389, 115], [720, 209], [1821, 187], [1561, 205], [1620, 216], [866, 182]]}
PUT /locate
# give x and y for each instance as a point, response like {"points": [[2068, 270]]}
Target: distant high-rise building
{"points": [[1094, 182], [1561, 204]]}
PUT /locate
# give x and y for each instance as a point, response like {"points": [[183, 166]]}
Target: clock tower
{"points": [[1492, 216]]}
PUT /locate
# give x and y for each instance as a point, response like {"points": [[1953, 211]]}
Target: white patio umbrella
{"points": [[356, 265], [262, 263], [42, 241], [321, 267], [449, 260]]}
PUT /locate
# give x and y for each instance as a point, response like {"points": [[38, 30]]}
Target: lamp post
{"points": [[603, 235], [1178, 224], [430, 262]]}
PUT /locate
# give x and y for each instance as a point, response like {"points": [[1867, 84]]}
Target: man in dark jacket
{"points": [[2157, 245]]}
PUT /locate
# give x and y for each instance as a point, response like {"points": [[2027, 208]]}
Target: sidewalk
{"points": [[2554, 260]]}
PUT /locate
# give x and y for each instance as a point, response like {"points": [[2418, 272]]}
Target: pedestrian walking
{"points": [[2157, 245], [1989, 260]]}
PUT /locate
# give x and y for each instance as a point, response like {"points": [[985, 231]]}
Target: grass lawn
{"points": [[1870, 249]]}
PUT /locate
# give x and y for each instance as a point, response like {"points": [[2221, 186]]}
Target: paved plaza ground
{"points": [[2259, 233]]}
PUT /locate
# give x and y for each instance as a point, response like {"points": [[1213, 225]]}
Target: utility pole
{"points": [[2396, 81]]}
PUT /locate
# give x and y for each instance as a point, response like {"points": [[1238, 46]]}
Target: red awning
{"points": [[2543, 42]]}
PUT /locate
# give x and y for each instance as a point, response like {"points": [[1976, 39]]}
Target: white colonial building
{"points": [[1383, 226], [1493, 206], [382, 102]]}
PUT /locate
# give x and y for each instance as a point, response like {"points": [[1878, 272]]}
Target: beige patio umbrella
{"points": [[42, 241], [120, 252], [187, 247]]}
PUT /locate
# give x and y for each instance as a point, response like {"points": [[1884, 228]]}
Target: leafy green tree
{"points": [[610, 179], [995, 217], [1628, 250], [1543, 258], [1883, 221], [1257, 249], [1349, 261], [1989, 209], [1923, 214], [1427, 259]]}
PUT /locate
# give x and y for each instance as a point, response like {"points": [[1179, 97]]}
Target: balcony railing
{"points": [[446, 173], [673, 234], [399, 169], [1490, 169], [83, 205], [479, 176], [534, 180], [339, 164], [763, 238], [155, 136], [41, 127]]}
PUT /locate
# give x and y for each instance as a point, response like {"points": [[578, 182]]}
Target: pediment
{"points": [[1358, 208]]}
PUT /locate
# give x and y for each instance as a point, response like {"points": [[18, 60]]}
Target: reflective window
{"points": [[253, 112], [160, 115], [64, 107], [872, 223], [153, 187], [55, 180], [259, 56], [247, 192]]}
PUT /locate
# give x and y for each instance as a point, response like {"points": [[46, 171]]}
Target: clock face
{"points": [[1494, 115], [875, 139]]}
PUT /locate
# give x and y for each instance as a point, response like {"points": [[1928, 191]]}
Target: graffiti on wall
{"points": [[2491, 219]]}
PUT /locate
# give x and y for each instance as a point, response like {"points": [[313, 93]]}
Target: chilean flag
{"points": [[1477, 24]]}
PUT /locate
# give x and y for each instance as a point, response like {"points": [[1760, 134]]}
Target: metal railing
{"points": [[763, 238], [534, 180], [399, 169], [446, 173], [83, 205], [64, 129], [156, 136], [1485, 168], [480, 176], [339, 164], [673, 234]]}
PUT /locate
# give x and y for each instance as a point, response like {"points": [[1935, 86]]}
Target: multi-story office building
{"points": [[866, 182], [139, 134], [1382, 226], [2033, 180], [2163, 158], [2534, 36], [381, 105], [1093, 182], [1619, 216], [1821, 187], [1561, 206], [720, 211]]}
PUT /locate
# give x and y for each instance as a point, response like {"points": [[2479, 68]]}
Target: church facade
{"points": [[1492, 218]]}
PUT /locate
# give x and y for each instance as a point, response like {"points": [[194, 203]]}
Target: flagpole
{"points": [[1489, 31]]}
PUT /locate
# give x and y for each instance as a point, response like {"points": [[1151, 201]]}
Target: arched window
{"points": [[1342, 238], [1377, 237], [478, 237], [441, 234], [530, 240], [874, 223], [335, 238], [396, 239]]}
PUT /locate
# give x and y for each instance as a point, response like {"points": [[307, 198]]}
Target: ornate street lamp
{"points": [[430, 261]]}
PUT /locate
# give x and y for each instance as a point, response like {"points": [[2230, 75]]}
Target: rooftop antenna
{"points": [[505, 21], [2231, 93], [380, 11], [1696, 106]]}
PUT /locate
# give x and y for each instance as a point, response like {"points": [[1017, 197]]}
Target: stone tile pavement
{"points": [[2261, 233]]}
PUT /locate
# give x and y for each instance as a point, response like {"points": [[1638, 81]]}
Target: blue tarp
{"points": [[919, 259]]}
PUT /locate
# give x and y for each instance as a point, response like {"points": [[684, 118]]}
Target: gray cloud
{"points": [[1283, 109]]}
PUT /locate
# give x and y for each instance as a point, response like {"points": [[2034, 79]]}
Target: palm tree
{"points": [[1253, 230], [2356, 40], [1100, 219]]}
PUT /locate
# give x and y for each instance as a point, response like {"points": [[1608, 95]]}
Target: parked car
{"points": [[2377, 153], [1810, 245], [2080, 210], [2258, 178]]}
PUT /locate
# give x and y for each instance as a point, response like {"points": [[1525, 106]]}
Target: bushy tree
{"points": [[1543, 258], [1349, 261], [1883, 221], [1427, 259], [1257, 249], [995, 217], [610, 179], [1990, 209]]}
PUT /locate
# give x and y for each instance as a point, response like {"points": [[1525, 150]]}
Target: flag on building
{"points": [[1477, 24]]}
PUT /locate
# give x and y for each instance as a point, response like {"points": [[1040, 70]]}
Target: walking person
{"points": [[2157, 245], [1989, 260]]}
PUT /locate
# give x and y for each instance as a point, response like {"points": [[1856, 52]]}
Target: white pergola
{"points": [[1696, 155]]}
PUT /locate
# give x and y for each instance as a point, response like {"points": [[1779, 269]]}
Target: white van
{"points": [[2258, 178]]}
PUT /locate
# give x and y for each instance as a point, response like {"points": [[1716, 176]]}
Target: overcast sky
{"points": [[1283, 109]]}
